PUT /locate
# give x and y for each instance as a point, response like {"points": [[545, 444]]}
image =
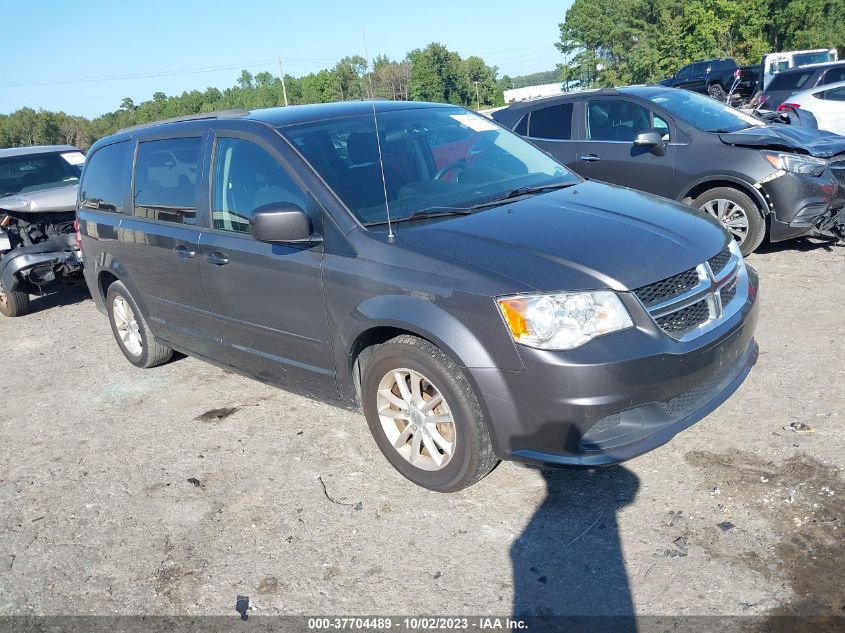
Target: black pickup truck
{"points": [[717, 77]]}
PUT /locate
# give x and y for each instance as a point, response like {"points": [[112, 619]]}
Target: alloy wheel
{"points": [[127, 326], [732, 216], [416, 419]]}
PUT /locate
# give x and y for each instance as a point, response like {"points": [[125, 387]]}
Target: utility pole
{"points": [[284, 90], [477, 99]]}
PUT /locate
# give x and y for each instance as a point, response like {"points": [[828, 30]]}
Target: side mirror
{"points": [[651, 139], [281, 222]]}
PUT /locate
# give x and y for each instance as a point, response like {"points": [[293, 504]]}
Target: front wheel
{"points": [[737, 213], [717, 92], [13, 303], [425, 416]]}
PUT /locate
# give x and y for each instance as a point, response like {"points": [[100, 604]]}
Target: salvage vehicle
{"points": [[792, 82], [38, 249], [717, 78], [775, 63], [495, 307], [825, 103], [757, 179]]}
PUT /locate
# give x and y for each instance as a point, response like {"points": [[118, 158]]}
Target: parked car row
{"points": [[757, 179]]}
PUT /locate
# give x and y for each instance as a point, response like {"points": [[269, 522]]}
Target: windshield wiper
{"points": [[521, 191], [425, 214]]}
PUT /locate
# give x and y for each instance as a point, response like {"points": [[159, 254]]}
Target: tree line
{"points": [[433, 73], [618, 42]]}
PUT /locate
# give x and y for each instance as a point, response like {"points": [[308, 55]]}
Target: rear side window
{"points": [[522, 127], [166, 180], [247, 177], [837, 94], [834, 75], [791, 81], [106, 178], [554, 122]]}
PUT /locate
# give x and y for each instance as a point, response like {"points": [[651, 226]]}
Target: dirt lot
{"points": [[121, 494]]}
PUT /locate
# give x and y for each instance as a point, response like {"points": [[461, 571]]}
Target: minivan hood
{"points": [[589, 236], [54, 200], [792, 138]]}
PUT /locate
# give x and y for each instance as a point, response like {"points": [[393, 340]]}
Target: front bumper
{"points": [[58, 251], [805, 205], [617, 397]]}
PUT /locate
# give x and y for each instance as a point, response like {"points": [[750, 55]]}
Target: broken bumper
{"points": [[58, 251]]}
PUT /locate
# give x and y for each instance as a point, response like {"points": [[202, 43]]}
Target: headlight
{"points": [[563, 321], [796, 163]]}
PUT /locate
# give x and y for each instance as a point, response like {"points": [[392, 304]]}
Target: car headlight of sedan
{"points": [[796, 163], [563, 321]]}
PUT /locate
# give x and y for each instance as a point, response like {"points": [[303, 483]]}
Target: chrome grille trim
{"points": [[719, 281]]}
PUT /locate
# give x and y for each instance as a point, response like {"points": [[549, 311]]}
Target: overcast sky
{"points": [[85, 56]]}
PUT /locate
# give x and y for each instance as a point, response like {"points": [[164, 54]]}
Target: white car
{"points": [[826, 103]]}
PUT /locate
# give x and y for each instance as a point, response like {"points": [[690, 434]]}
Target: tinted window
{"points": [[522, 127], [166, 179], [833, 75], [790, 81], [700, 68], [22, 174], [245, 178], [837, 94], [615, 120], [554, 122], [106, 178], [684, 72]]}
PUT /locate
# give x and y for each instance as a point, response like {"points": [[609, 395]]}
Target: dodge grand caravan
{"points": [[476, 298]]}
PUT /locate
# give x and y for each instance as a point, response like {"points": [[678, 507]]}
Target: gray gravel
{"points": [[174, 490]]}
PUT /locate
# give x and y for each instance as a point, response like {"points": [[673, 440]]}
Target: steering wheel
{"points": [[457, 164]]}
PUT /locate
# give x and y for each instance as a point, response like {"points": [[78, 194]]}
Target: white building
{"points": [[532, 92]]}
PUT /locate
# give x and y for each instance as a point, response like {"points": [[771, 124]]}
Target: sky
{"points": [[83, 57]]}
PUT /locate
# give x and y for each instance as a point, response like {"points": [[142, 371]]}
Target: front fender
{"points": [[742, 184]]}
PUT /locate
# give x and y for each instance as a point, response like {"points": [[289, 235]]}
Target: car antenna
{"points": [[391, 236]]}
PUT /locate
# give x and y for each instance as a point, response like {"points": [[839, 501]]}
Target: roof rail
{"points": [[219, 114]]}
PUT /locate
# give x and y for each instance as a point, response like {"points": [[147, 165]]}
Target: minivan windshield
{"points": [[703, 112], [34, 172], [436, 161]]}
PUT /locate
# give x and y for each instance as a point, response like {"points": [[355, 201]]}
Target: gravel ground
{"points": [[177, 489]]}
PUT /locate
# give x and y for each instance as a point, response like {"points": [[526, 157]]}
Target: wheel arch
{"points": [[110, 270], [712, 182]]}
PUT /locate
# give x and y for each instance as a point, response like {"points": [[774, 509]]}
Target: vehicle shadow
{"points": [[60, 297], [801, 244], [569, 560]]}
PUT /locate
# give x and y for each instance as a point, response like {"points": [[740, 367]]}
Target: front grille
{"points": [[718, 262], [689, 399], [681, 321], [661, 291], [728, 292]]}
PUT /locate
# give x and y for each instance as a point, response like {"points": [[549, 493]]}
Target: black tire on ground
{"points": [[13, 303], [756, 223], [473, 457], [152, 353], [717, 92]]}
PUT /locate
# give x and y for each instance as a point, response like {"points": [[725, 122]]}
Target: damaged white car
{"points": [[38, 245]]}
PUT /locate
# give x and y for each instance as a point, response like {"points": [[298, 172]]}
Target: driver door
{"points": [[607, 151]]}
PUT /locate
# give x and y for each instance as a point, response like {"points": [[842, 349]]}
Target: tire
{"points": [[131, 331], [727, 204], [717, 92], [471, 456], [13, 303]]}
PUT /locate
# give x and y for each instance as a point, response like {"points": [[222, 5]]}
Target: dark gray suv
{"points": [[477, 299]]}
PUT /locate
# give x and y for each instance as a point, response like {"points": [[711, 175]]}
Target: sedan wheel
{"points": [[732, 216], [416, 419]]}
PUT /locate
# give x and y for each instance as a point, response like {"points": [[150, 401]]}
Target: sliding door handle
{"points": [[183, 252], [217, 258], [590, 158]]}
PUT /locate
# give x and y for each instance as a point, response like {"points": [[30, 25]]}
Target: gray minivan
{"points": [[476, 298]]}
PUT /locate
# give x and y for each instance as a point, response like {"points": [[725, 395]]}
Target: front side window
{"points": [[166, 175], [246, 177], [684, 72], [702, 112], [434, 159], [616, 120], [24, 174], [554, 122], [106, 178], [662, 127]]}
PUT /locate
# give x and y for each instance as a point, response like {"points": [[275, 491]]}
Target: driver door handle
{"points": [[590, 158], [217, 258], [183, 252]]}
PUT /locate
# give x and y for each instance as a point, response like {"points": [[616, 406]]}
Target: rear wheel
{"points": [[425, 416], [717, 92], [737, 213], [131, 331], [13, 303]]}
